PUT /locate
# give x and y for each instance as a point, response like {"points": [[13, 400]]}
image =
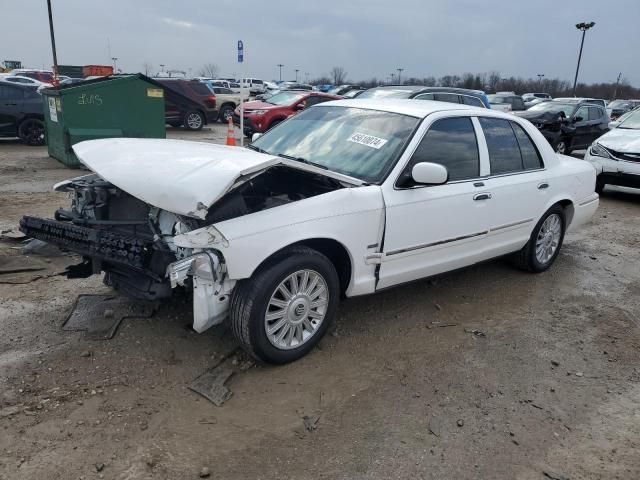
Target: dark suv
{"points": [[568, 125], [193, 107], [21, 113], [475, 98]]}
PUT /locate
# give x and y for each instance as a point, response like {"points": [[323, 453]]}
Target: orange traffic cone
{"points": [[231, 135]]}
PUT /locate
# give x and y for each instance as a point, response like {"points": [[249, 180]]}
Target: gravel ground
{"points": [[402, 387]]}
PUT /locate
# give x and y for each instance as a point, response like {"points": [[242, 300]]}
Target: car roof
{"points": [[414, 108]]}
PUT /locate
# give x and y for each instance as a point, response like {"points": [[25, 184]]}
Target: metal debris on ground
{"points": [[211, 385], [12, 235], [476, 332], [310, 423], [101, 315], [554, 476]]}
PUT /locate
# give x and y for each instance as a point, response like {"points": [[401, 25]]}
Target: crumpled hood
{"points": [[546, 117], [621, 140], [179, 176]]}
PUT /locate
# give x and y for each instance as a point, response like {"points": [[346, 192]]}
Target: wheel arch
{"points": [[334, 250]]}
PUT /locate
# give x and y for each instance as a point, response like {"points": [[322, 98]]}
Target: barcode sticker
{"points": [[367, 140]]}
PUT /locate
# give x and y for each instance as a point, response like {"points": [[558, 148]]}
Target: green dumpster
{"points": [[109, 107]]}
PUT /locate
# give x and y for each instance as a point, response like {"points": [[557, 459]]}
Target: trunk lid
{"points": [[179, 176]]}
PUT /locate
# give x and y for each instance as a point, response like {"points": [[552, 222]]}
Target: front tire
{"points": [[545, 242], [281, 312], [226, 112]]}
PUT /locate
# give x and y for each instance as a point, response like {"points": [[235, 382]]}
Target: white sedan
{"points": [[616, 154], [345, 198]]}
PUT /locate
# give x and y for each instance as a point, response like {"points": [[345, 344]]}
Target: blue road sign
{"points": [[240, 51]]}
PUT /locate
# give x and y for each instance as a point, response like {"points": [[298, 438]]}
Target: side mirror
{"points": [[255, 136], [301, 106], [577, 119], [427, 173]]}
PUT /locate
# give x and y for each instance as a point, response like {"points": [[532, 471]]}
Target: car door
{"points": [[582, 128], [430, 229], [11, 107], [599, 124], [518, 184]]}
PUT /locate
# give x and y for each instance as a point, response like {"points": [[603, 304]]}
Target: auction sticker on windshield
{"points": [[367, 140]]}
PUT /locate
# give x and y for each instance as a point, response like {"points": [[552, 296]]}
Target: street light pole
{"points": [[115, 64], [280, 65], [297, 70], [540, 77], [583, 27], [393, 76], [400, 70], [53, 44]]}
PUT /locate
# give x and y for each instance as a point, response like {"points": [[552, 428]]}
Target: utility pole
{"points": [[297, 70], [583, 27], [615, 92], [280, 65], [400, 70], [393, 76], [53, 45], [540, 77]]}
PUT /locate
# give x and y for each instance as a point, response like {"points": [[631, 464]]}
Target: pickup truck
{"points": [[228, 101]]}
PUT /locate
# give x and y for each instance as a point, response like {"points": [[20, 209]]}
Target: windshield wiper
{"points": [[257, 149], [302, 160]]}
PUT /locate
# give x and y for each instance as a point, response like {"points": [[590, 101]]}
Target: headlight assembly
{"points": [[598, 150]]}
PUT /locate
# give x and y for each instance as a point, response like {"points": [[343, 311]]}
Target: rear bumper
{"points": [[584, 210]]}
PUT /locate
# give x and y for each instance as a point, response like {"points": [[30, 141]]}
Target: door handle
{"points": [[543, 185], [482, 196], [10, 104], [478, 184]]}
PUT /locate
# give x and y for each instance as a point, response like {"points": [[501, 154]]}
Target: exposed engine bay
{"points": [[132, 241]]}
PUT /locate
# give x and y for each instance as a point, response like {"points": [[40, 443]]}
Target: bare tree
{"points": [[339, 75], [148, 68], [209, 70]]}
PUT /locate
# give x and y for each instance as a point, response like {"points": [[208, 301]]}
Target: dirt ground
{"points": [[548, 387]]}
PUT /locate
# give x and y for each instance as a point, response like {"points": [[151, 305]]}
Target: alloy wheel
{"points": [[548, 238]]}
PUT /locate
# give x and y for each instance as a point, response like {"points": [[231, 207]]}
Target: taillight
{"points": [[211, 101]]}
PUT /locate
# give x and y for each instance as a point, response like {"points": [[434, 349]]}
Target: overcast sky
{"points": [[367, 37]]}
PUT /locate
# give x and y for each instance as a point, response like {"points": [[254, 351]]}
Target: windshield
{"points": [[632, 122], [386, 93], [554, 107], [285, 98], [361, 143]]}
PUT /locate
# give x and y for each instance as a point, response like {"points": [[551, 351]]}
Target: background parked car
{"points": [[342, 89], [620, 107], [531, 99], [615, 123], [227, 101], [255, 85], [21, 113], [597, 101], [24, 81], [568, 125], [353, 93], [45, 76], [616, 154], [193, 107], [260, 116], [506, 102], [476, 98]]}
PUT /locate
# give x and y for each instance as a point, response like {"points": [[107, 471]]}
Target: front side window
{"points": [[595, 113], [504, 152], [361, 143], [424, 96], [583, 113], [452, 143], [11, 93]]}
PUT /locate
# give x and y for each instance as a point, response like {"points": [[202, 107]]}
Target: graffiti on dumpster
{"points": [[84, 99]]}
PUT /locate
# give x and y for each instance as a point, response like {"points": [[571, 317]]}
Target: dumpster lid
{"points": [[181, 176]]}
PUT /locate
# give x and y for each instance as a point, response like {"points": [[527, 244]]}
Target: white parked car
{"points": [[25, 81], [255, 85], [341, 199], [616, 154]]}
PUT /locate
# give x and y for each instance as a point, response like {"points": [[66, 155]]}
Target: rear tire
{"points": [[31, 131], [226, 112], [260, 305], [193, 120], [545, 242]]}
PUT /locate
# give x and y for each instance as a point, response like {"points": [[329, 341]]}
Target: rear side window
{"points": [[446, 97], [504, 152], [473, 101], [451, 142], [200, 88], [530, 156], [11, 93]]}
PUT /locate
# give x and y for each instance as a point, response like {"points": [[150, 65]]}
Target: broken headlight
{"points": [[202, 265]]}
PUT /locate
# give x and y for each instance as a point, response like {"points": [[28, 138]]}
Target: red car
{"points": [[261, 115]]}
